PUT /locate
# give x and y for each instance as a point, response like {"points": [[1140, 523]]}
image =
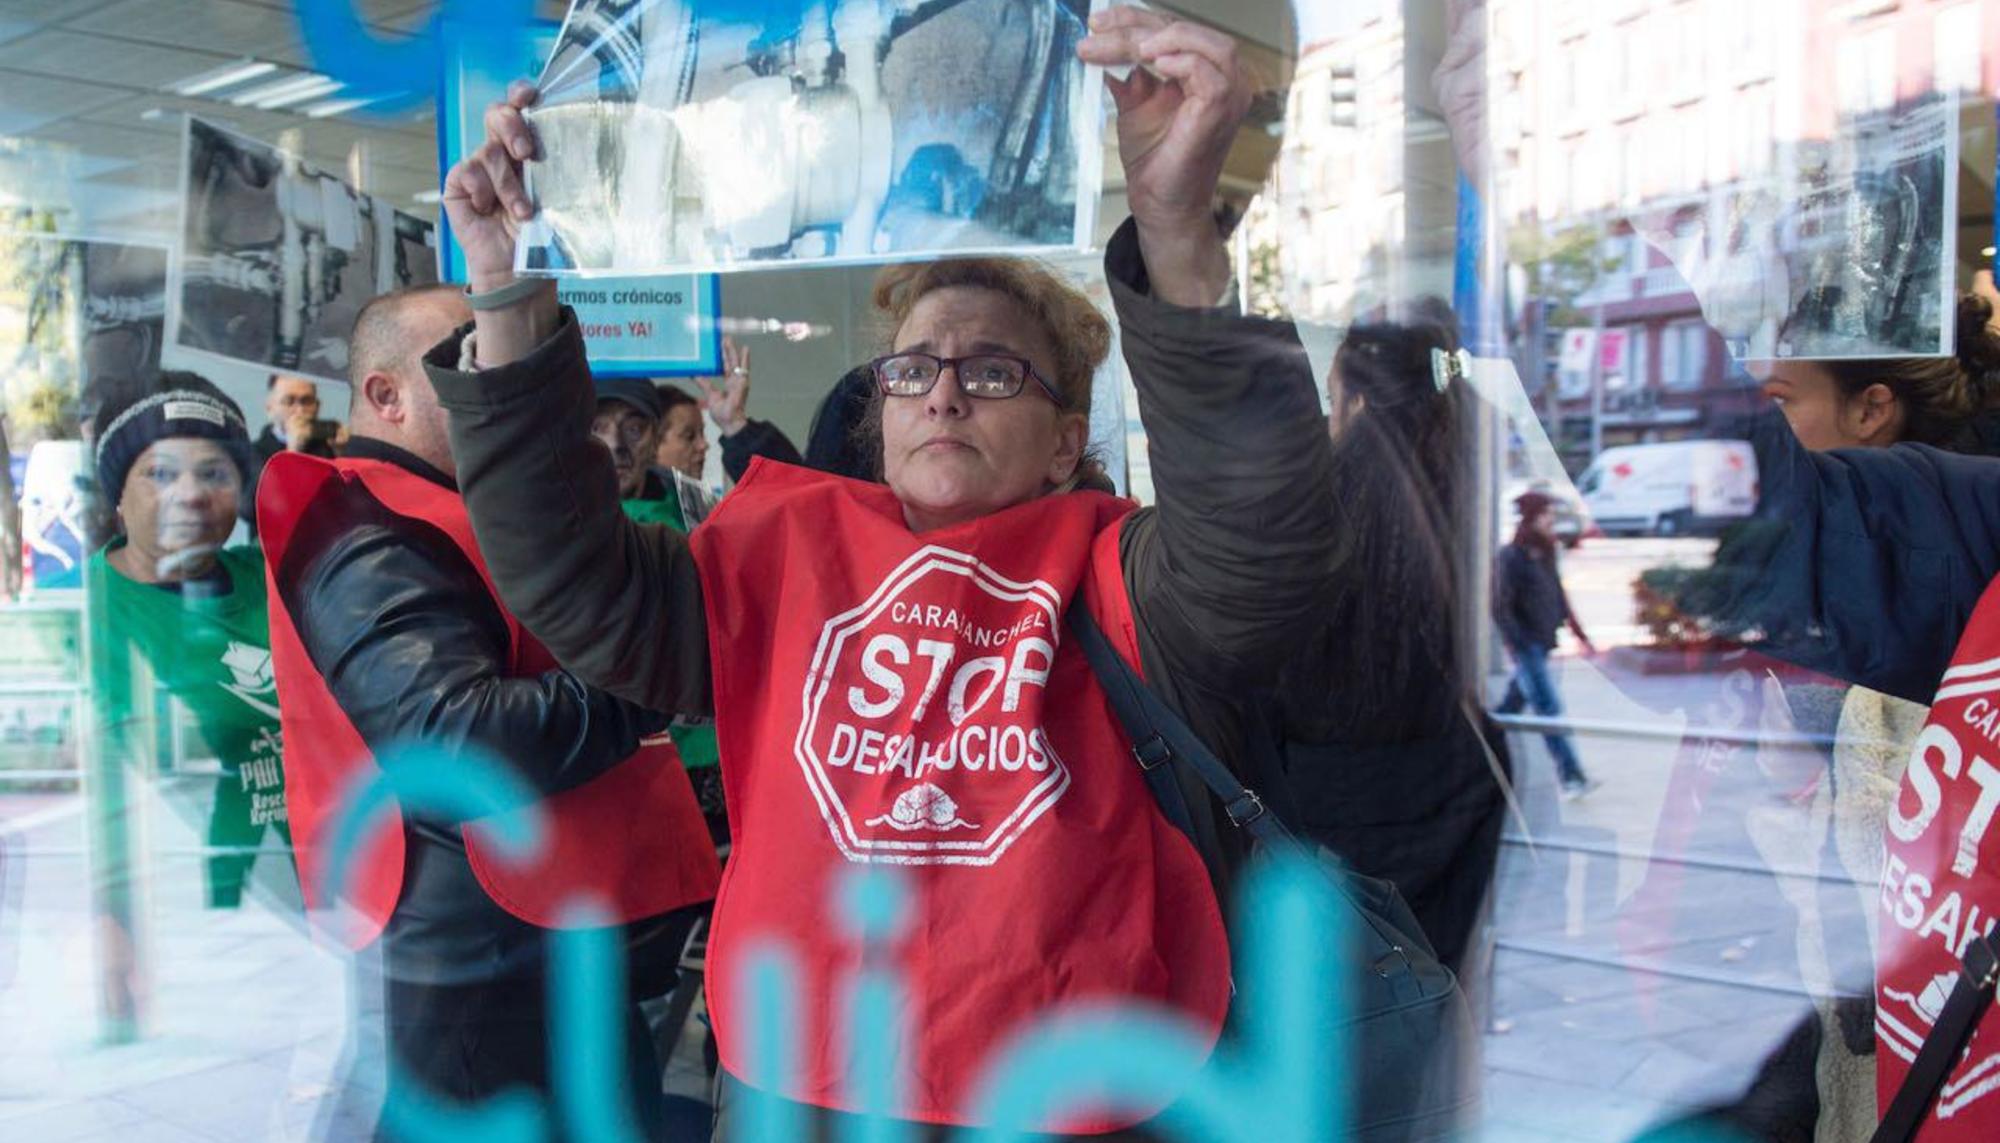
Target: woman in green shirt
{"points": [[174, 611]]}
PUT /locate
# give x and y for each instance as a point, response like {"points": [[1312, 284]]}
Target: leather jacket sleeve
{"points": [[411, 646]]}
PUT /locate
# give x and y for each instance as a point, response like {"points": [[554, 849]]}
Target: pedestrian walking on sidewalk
{"points": [[1529, 607]]}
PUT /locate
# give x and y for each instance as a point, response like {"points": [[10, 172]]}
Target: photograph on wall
{"points": [[687, 136], [657, 326], [81, 320], [91, 311], [278, 257], [1845, 250]]}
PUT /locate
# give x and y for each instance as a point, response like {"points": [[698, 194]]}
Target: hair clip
{"points": [[1449, 367]]}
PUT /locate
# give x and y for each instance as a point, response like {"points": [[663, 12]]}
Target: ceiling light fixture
{"points": [[319, 87], [334, 107], [228, 75], [291, 89]]}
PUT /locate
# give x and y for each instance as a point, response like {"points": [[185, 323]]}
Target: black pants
{"points": [[467, 1043]]}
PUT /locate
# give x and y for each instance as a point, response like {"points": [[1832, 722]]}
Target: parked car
{"points": [[1673, 488]]}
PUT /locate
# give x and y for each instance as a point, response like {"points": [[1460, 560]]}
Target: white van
{"points": [[1670, 489]]}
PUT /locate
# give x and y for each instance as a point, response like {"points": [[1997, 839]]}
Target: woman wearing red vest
{"points": [[888, 663]]}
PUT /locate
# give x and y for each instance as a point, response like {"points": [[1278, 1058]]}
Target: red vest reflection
{"points": [[1941, 885], [632, 841]]}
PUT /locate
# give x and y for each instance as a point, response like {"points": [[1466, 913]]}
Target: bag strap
{"points": [[1969, 999], [1160, 738]]}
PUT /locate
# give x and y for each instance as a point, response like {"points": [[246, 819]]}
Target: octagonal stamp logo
{"points": [[922, 735]]}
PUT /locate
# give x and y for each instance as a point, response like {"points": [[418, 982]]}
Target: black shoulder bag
{"points": [[1411, 1043], [1970, 996]]}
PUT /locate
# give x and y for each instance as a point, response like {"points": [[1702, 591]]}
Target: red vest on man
{"points": [[631, 842], [1941, 885], [910, 699]]}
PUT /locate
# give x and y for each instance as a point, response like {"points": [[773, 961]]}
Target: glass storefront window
{"points": [[1574, 509]]}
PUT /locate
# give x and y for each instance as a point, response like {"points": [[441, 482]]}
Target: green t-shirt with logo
{"points": [[696, 743], [208, 644]]}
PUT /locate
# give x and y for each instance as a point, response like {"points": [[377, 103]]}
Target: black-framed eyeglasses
{"points": [[987, 376]]}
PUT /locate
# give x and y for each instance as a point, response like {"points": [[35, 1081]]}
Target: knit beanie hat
{"points": [[186, 406]]}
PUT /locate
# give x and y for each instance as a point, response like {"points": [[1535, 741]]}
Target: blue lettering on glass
{"points": [[586, 1011], [1101, 1059], [873, 903], [770, 983], [370, 67], [460, 786], [1280, 1084], [464, 786]]}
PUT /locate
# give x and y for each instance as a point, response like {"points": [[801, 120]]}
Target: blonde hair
{"points": [[1078, 333]]}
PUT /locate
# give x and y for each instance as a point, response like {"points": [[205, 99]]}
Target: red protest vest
{"points": [[1941, 885], [884, 696], [631, 841]]}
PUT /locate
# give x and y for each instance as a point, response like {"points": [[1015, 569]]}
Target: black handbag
{"points": [[1411, 1046]]}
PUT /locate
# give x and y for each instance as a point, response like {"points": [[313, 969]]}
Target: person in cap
{"points": [[172, 602], [632, 420], [630, 423], [1530, 607]]}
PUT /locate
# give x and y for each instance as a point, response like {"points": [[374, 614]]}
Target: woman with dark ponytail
{"points": [[1386, 751]]}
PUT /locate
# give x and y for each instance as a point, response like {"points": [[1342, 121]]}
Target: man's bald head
{"points": [[393, 401], [389, 331]]}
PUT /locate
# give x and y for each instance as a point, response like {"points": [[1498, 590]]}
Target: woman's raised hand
{"points": [[485, 196]]}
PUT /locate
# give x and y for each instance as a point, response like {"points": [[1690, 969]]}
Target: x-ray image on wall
{"points": [[278, 257], [683, 135], [1845, 249]]}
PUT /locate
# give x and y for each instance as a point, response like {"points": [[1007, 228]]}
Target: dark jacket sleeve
{"points": [[398, 623], [1507, 569], [755, 439], [1228, 572], [1241, 546], [1569, 618], [618, 603], [1863, 563]]}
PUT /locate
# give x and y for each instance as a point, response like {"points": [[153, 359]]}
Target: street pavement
{"points": [[1646, 955]]}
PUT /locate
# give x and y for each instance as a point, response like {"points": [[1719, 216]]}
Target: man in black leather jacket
{"points": [[412, 647]]}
